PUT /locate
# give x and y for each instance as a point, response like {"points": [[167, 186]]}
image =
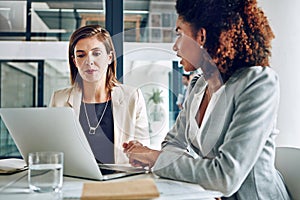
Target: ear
{"points": [[201, 36]]}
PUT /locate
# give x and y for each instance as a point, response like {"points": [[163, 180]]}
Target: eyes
{"points": [[95, 53]]}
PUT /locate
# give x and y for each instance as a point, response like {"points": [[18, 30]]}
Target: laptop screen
{"points": [[58, 129]]}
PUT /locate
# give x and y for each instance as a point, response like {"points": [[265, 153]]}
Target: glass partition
{"points": [[18, 84], [17, 90], [51, 20], [56, 20], [149, 21], [56, 76], [12, 16]]}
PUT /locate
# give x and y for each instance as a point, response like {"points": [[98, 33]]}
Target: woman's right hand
{"points": [[139, 155]]}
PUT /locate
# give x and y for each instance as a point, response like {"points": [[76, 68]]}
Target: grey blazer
{"points": [[233, 150]]}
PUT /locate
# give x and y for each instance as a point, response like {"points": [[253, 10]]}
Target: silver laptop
{"points": [[58, 129]]}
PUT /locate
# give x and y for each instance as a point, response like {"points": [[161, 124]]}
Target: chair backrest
{"points": [[287, 162]]}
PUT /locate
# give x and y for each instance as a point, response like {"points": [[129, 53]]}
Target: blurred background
{"points": [[34, 38]]}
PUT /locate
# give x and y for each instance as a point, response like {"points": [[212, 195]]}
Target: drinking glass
{"points": [[45, 171]]}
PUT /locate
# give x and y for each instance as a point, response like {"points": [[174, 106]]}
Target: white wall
{"points": [[284, 16]]}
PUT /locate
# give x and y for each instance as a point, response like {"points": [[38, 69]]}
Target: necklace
{"points": [[92, 130]]}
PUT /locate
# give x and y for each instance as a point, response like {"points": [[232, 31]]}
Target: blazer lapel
{"points": [[194, 128], [213, 121], [205, 137], [74, 99], [117, 110], [194, 131]]}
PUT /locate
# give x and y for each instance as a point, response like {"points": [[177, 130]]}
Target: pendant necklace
{"points": [[92, 130]]}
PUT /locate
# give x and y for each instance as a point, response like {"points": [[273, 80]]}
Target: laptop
{"points": [[58, 129]]}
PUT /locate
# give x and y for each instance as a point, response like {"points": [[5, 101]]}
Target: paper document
{"points": [[12, 165]]}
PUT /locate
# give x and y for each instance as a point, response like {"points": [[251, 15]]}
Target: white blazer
{"points": [[129, 114]]}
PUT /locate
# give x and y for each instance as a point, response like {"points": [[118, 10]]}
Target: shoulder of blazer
{"points": [[66, 95], [124, 91], [253, 74], [64, 91], [67, 91]]}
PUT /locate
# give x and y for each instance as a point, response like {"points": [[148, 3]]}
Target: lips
{"points": [[179, 57], [90, 71]]}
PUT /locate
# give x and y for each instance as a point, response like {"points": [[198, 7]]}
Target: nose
{"points": [[175, 47], [89, 60]]}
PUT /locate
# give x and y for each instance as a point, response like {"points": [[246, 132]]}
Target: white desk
{"points": [[15, 187]]}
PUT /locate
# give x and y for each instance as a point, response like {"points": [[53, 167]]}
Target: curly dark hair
{"points": [[238, 33]]}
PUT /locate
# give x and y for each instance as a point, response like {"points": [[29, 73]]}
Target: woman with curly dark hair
{"points": [[224, 138]]}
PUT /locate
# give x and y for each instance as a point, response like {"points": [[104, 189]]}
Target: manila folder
{"points": [[131, 189]]}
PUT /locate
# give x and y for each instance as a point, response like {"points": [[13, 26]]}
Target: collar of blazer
{"points": [[117, 96], [75, 97], [207, 135]]}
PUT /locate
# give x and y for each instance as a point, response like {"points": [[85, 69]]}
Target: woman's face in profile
{"points": [[91, 59], [186, 46]]}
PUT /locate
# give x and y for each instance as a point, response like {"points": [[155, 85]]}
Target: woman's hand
{"points": [[139, 155]]}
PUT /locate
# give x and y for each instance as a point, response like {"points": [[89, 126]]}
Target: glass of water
{"points": [[45, 171]]}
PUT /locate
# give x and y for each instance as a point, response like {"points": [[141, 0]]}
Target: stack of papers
{"points": [[12, 165]]}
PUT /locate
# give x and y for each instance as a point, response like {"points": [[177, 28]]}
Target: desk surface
{"points": [[15, 187]]}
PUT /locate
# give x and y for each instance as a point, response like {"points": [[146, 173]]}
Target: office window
{"points": [[17, 84], [149, 21], [12, 16], [54, 20], [51, 20], [56, 76], [12, 20], [17, 90]]}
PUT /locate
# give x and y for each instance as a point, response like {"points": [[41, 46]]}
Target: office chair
{"points": [[287, 162]]}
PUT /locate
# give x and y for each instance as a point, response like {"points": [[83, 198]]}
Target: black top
{"points": [[102, 142]]}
